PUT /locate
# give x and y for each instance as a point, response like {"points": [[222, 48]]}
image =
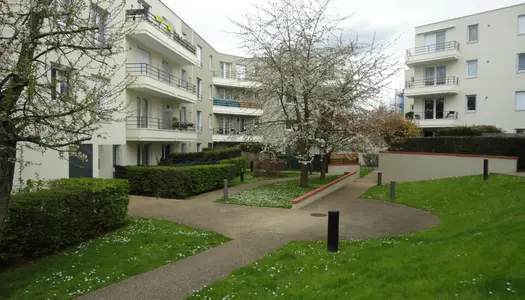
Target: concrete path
{"points": [[256, 232]]}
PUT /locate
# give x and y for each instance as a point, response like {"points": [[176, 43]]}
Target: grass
{"points": [[476, 252], [139, 246], [248, 178], [275, 195], [365, 171]]}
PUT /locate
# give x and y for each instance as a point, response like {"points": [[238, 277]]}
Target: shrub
{"points": [[371, 159], [480, 145], [253, 147], [468, 130], [207, 149], [70, 211], [177, 182], [214, 154], [240, 162]]}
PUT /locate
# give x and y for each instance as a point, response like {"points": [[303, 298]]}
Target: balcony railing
{"points": [[451, 45], [235, 103], [158, 74], [231, 131], [432, 115], [230, 75], [449, 80], [144, 122], [137, 15]]}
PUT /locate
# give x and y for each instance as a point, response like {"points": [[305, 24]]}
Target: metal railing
{"points": [[156, 73], [230, 75], [235, 103], [137, 15], [445, 80], [451, 45], [158, 124], [231, 130], [432, 115]]}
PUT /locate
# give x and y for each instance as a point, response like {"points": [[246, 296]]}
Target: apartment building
{"points": [[468, 71], [184, 96]]}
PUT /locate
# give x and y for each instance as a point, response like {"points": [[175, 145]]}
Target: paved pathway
{"points": [[256, 232]]}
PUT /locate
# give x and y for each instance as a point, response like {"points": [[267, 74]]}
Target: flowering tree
{"points": [[306, 71], [57, 61], [392, 127]]}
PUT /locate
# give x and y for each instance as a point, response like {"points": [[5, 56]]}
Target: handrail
{"points": [[450, 45], [231, 75], [235, 103], [432, 115], [442, 80], [143, 14], [158, 74], [145, 122], [231, 131]]}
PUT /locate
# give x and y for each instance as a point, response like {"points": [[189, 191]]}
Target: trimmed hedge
{"points": [[176, 182], [214, 154], [69, 212], [477, 130], [480, 145], [240, 162], [253, 147]]}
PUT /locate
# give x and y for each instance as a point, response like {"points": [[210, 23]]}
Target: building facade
{"points": [[468, 71], [183, 96]]}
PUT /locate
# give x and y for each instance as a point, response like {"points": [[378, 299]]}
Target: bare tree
{"points": [[58, 60], [306, 71]]}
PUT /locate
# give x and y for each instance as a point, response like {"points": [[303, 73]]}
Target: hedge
{"points": [[240, 162], [253, 147], [480, 145], [477, 130], [68, 212], [214, 154], [176, 182]]}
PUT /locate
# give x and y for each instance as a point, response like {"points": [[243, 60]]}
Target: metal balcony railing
{"points": [[231, 130], [432, 115], [235, 103], [230, 75], [448, 80], [158, 124], [137, 15], [158, 74], [451, 45]]}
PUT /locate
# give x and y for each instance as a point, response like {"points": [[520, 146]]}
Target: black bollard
{"points": [[392, 190], [333, 231], [225, 190], [251, 166], [379, 178], [242, 174], [485, 169]]}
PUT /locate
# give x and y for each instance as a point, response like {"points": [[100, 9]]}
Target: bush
{"points": [[478, 145], [67, 213], [240, 162], [253, 147], [371, 159], [468, 130], [177, 182], [214, 154]]}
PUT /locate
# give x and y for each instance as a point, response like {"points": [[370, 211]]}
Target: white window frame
{"points": [[198, 120], [468, 33], [59, 77], [199, 88], [522, 94], [210, 122], [518, 62], [477, 68], [211, 62], [521, 24], [183, 148], [99, 17], [199, 56], [475, 103], [199, 147]]}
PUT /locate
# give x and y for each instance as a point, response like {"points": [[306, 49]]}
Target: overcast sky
{"points": [[387, 18]]}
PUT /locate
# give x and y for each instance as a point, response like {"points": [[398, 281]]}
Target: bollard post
{"points": [[392, 190], [485, 169], [225, 190], [242, 174], [251, 166], [379, 178], [333, 231]]}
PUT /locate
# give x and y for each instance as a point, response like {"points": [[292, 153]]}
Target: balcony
{"points": [[153, 81], [147, 129], [433, 119], [232, 79], [236, 107], [442, 52], [432, 86], [149, 30], [227, 135]]}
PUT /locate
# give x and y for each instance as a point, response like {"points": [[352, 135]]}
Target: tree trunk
{"points": [[304, 176], [324, 164], [7, 171]]}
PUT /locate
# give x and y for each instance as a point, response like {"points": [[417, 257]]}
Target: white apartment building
{"points": [[469, 71], [184, 96]]}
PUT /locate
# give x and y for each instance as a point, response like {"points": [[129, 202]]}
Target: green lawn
{"points": [[248, 178], [141, 245], [276, 195], [365, 171], [476, 252]]}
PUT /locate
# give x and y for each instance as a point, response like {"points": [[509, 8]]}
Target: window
{"points": [[241, 72], [435, 41], [63, 7], [199, 89], [184, 79], [471, 103], [472, 68], [211, 92], [182, 114], [99, 91], [210, 125], [226, 70], [117, 150], [199, 56], [520, 130], [183, 147], [473, 33], [99, 19], [59, 82], [210, 145], [521, 24], [166, 151], [199, 147], [225, 94], [521, 62], [199, 120], [289, 126], [211, 62], [520, 100], [142, 155]]}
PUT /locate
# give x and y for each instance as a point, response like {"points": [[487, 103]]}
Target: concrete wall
{"points": [[341, 169], [324, 190], [406, 166]]}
